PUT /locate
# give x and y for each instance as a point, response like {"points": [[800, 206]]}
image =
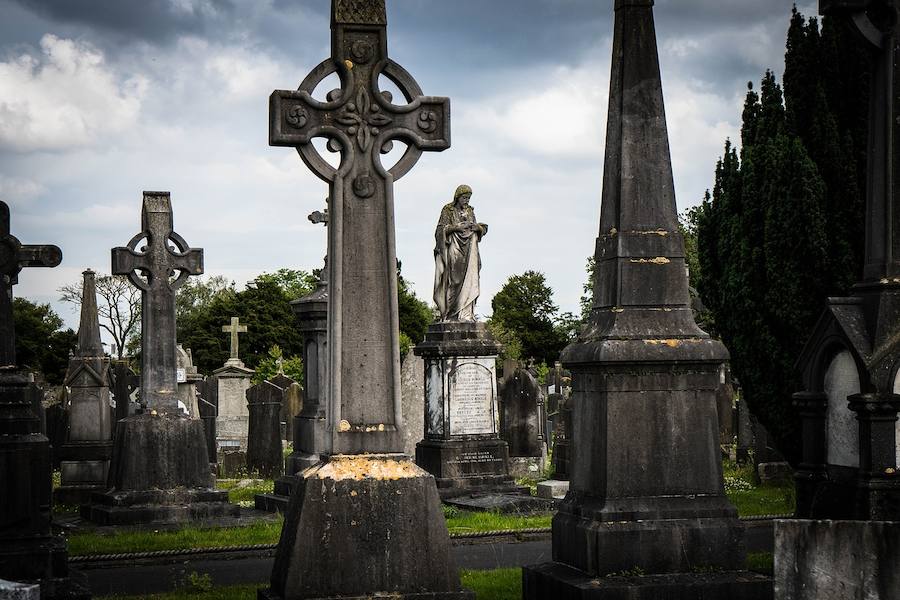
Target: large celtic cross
{"points": [[15, 256], [158, 268], [360, 121], [877, 21]]}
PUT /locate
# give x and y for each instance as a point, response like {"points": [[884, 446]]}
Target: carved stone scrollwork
{"points": [[427, 121], [296, 116]]}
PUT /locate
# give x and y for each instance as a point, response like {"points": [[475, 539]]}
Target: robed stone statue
{"points": [[457, 263]]}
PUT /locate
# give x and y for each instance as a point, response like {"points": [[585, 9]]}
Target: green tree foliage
{"points": [[524, 306], [415, 315], [41, 342], [264, 306], [275, 361], [295, 283], [783, 226]]}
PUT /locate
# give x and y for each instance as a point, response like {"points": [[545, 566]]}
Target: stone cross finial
{"points": [[15, 256], [360, 121], [234, 329], [152, 268]]}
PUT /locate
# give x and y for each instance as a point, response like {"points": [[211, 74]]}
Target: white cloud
{"points": [[66, 97], [19, 190]]}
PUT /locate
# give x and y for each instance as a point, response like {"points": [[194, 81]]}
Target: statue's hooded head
{"points": [[462, 190]]}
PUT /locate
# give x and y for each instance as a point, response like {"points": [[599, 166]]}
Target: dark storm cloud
{"points": [[153, 20]]}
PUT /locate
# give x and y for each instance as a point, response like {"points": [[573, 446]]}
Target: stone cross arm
{"points": [[158, 260], [365, 119], [234, 329]]}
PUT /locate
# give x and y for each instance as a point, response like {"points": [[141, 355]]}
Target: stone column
{"points": [[877, 417], [811, 472]]}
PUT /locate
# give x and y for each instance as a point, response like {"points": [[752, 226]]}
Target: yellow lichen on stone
{"points": [[349, 64], [671, 343], [659, 260], [344, 425], [343, 467]]}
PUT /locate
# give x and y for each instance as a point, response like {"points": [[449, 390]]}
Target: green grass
{"points": [[761, 562], [499, 584], [463, 521], [242, 491], [148, 540], [764, 500]]}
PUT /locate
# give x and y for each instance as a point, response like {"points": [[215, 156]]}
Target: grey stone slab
{"points": [[11, 590], [510, 502], [552, 488], [837, 560]]}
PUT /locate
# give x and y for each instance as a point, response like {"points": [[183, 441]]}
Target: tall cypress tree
{"points": [[783, 227]]}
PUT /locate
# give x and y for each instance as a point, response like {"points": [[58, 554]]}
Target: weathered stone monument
{"points": [[187, 378], [29, 552], [124, 383], [462, 446], [522, 419], [264, 401], [160, 469], [231, 382], [851, 397], [85, 455], [372, 515], [646, 489]]}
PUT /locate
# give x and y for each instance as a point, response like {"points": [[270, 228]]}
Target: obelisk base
{"points": [[377, 527], [84, 471], [159, 474]]}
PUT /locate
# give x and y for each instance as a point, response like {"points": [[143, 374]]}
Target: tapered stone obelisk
{"points": [[365, 521], [88, 448], [646, 492]]}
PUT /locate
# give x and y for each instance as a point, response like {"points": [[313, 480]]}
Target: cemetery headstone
{"points": [[522, 420], [850, 401], [208, 412], [125, 383], [372, 514], [462, 447], [187, 377], [232, 380], [264, 454], [85, 455], [29, 552], [160, 469], [646, 487]]}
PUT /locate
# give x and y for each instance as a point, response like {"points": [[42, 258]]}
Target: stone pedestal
{"points": [[231, 383], [322, 556], [28, 550], [187, 378], [462, 447], [160, 475]]}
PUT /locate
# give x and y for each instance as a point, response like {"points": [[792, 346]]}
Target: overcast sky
{"points": [[102, 99]]}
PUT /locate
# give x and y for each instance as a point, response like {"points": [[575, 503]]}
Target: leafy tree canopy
{"points": [[41, 342]]}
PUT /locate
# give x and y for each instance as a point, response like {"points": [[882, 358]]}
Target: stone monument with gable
{"points": [[462, 446], [160, 468], [231, 382], [29, 552], [372, 515], [848, 481], [646, 487], [85, 455]]}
